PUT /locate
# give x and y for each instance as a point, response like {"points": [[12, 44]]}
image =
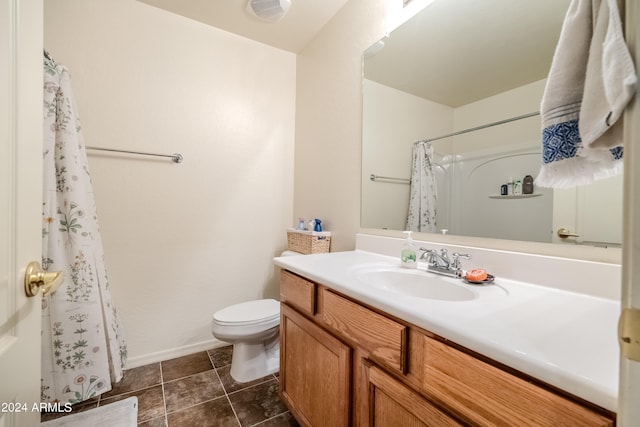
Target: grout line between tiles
{"points": [[196, 404], [266, 380], [164, 400], [269, 419], [225, 391], [233, 409]]}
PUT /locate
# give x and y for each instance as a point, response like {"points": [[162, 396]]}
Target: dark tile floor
{"points": [[197, 390]]}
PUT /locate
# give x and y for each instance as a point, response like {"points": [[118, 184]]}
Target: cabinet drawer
{"points": [[485, 395], [298, 292], [383, 338]]}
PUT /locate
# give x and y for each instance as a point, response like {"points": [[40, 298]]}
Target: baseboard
{"points": [[160, 356]]}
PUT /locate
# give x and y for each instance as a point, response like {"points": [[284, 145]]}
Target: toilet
{"points": [[253, 329]]}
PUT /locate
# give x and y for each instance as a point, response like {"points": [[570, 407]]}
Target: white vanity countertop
{"points": [[563, 338]]}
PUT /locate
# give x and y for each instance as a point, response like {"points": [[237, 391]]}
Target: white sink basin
{"points": [[415, 283]]}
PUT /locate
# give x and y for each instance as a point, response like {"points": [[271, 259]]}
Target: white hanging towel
{"points": [[591, 81]]}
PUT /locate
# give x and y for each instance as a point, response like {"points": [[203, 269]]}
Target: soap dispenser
{"points": [[408, 258]]}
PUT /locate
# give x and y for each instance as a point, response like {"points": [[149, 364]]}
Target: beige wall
{"points": [[392, 121], [512, 103], [181, 241], [329, 116]]}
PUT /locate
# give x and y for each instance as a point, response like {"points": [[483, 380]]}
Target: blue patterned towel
{"points": [[592, 79]]}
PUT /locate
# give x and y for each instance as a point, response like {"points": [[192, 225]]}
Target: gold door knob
{"points": [[563, 233], [35, 278]]}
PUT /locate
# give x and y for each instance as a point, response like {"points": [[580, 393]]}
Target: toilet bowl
{"points": [[252, 328]]}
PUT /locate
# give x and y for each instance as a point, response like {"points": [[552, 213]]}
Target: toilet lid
{"points": [[249, 312]]}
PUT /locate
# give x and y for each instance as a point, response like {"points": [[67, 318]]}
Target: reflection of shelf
{"points": [[513, 196]]}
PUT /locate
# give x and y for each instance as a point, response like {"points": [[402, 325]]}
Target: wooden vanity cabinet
{"points": [[343, 363]]}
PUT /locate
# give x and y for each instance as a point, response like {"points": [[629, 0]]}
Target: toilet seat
{"points": [[249, 313]]}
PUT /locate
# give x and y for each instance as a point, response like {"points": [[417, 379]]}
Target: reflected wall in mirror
{"points": [[458, 65]]}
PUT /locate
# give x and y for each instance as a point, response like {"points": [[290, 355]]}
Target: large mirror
{"points": [[475, 69]]}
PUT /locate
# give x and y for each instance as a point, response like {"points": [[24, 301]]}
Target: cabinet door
{"points": [[314, 372], [391, 403]]}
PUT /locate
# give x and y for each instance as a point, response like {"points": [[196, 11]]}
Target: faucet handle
{"points": [[456, 259], [428, 254]]}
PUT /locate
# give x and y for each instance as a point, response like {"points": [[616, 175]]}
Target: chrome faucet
{"points": [[440, 263]]}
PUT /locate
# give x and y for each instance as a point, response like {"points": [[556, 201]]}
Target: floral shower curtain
{"points": [[423, 194], [83, 350]]}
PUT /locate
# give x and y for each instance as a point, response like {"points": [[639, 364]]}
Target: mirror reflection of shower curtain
{"points": [[423, 194], [83, 350]]}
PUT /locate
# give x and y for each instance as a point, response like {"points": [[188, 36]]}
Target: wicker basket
{"points": [[308, 242]]}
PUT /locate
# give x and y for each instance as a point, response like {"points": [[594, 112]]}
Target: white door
{"points": [[629, 410], [20, 208], [592, 212]]}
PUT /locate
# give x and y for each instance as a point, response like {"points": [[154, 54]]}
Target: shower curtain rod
{"points": [[176, 157], [501, 122], [376, 178]]}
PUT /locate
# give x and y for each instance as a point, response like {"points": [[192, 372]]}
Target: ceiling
{"points": [[292, 33], [453, 52], [456, 52]]}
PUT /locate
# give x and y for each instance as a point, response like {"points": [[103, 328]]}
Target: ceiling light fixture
{"points": [[268, 10]]}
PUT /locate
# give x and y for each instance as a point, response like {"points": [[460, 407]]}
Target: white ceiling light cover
{"points": [[268, 10]]}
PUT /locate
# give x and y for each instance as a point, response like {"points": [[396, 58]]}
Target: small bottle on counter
{"points": [[301, 224]]}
